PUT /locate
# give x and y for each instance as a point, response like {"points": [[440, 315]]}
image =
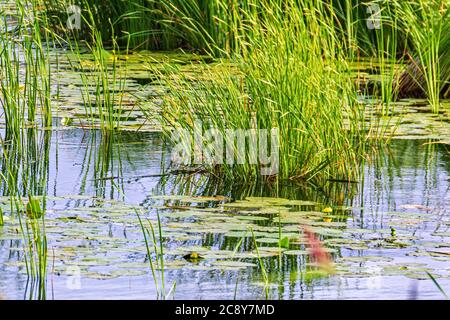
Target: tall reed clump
{"points": [[427, 23], [25, 103], [102, 77], [214, 27], [293, 77], [387, 45], [160, 24], [138, 17]]}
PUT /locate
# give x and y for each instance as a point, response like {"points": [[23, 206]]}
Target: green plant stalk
{"points": [[158, 248], [261, 265], [437, 285], [425, 22], [145, 233]]}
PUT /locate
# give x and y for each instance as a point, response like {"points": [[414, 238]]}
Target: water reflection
{"points": [[133, 167]]}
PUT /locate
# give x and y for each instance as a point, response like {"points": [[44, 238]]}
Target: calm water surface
{"points": [[85, 171]]}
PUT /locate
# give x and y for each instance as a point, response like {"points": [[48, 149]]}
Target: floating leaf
{"points": [[284, 242], [193, 257]]}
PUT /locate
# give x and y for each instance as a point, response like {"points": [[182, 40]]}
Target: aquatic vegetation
{"points": [[383, 29], [437, 285], [24, 68], [103, 239], [327, 210], [223, 259], [425, 23], [315, 71], [25, 102], [154, 242], [320, 131], [102, 86], [23, 176], [387, 49]]}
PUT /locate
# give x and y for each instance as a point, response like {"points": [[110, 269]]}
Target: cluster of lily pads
{"points": [[103, 239], [138, 92]]}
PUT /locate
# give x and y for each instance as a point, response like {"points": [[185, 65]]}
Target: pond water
{"points": [[93, 231]]}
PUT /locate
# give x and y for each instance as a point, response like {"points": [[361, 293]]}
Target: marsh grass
{"points": [[24, 66], [230, 28], [264, 273], [293, 77], [102, 84], [24, 177], [387, 48], [437, 285], [161, 24], [103, 80], [426, 24], [155, 255], [26, 105], [290, 72], [108, 103]]}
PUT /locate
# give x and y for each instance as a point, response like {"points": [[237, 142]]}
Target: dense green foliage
{"points": [[294, 77]]}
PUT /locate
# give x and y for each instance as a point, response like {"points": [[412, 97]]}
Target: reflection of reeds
{"points": [[25, 100], [24, 180], [107, 160], [102, 164]]}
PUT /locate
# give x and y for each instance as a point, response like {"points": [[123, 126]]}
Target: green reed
{"points": [[102, 78], [437, 285], [229, 27], [294, 77], [108, 103], [426, 24], [25, 100], [155, 247], [262, 266], [387, 48], [24, 178]]}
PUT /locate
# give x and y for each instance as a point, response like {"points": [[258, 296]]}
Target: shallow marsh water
{"points": [[93, 229]]}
